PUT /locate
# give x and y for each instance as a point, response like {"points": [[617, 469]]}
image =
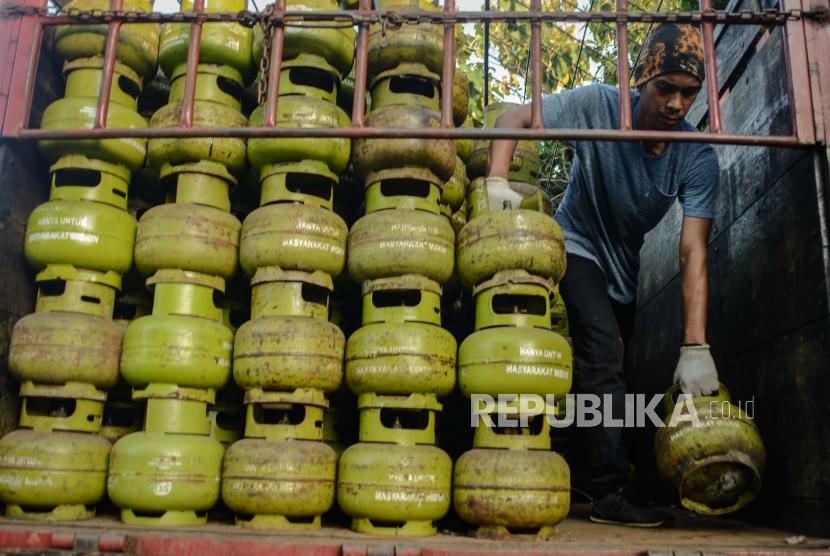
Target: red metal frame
{"points": [[24, 41], [16, 106]]}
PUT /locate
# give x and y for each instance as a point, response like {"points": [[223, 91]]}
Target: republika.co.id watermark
{"points": [[590, 410]]}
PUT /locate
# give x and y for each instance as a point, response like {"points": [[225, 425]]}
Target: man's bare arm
{"points": [[694, 237], [501, 150]]}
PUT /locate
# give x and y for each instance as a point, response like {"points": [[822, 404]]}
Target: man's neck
{"points": [[653, 148]]}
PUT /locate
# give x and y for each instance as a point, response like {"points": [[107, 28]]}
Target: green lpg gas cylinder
{"points": [[281, 476], [395, 481], [223, 43], [420, 45], [403, 188], [168, 474], [184, 341], [499, 490], [511, 480], [516, 239], [77, 111], [455, 189], [403, 241], [513, 349], [460, 97], [90, 235], [84, 76], [715, 461], [74, 407], [392, 88], [188, 236], [401, 347], [227, 151], [329, 48], [52, 476], [295, 228], [295, 111], [464, 147], [138, 43], [71, 337], [435, 155], [289, 342]]}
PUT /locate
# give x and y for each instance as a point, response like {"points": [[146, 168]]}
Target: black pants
{"points": [[600, 328]]}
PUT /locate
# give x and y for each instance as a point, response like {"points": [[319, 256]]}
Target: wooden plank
{"points": [[776, 277], [788, 378]]}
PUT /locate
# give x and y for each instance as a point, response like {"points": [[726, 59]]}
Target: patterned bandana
{"points": [[670, 48]]}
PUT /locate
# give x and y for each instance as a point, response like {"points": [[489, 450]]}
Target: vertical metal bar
{"points": [[108, 69], [536, 66], [24, 41], [818, 53], [361, 62], [710, 69], [194, 43], [799, 89], [272, 93], [448, 69], [623, 71], [486, 56]]}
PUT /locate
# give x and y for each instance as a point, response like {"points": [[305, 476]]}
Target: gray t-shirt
{"points": [[616, 192]]}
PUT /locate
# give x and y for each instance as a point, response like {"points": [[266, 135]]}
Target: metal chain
{"points": [[265, 60], [395, 19]]}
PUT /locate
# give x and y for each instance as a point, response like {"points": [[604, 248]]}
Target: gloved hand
{"points": [[696, 371], [498, 191]]}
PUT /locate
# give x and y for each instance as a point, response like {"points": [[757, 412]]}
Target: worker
{"points": [[618, 191]]}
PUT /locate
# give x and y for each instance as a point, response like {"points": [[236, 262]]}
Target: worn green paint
{"points": [[302, 111], [420, 46], [435, 155], [407, 485], [330, 48], [280, 484], [52, 475], [228, 151], [187, 236], [293, 236], [403, 241], [211, 85], [507, 240], [79, 113], [715, 467], [399, 358], [518, 360], [501, 489], [285, 353], [83, 79], [138, 43], [84, 234], [384, 94], [455, 188], [183, 342], [222, 43], [112, 188]]}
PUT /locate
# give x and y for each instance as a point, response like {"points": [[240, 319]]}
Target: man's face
{"points": [[665, 100]]}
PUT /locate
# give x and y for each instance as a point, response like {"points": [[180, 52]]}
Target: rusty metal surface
{"points": [[575, 535], [419, 133], [623, 71], [108, 68], [277, 18], [194, 40], [711, 70], [743, 17]]}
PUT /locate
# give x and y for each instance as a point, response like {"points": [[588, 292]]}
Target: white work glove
{"points": [[695, 372], [498, 191]]}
